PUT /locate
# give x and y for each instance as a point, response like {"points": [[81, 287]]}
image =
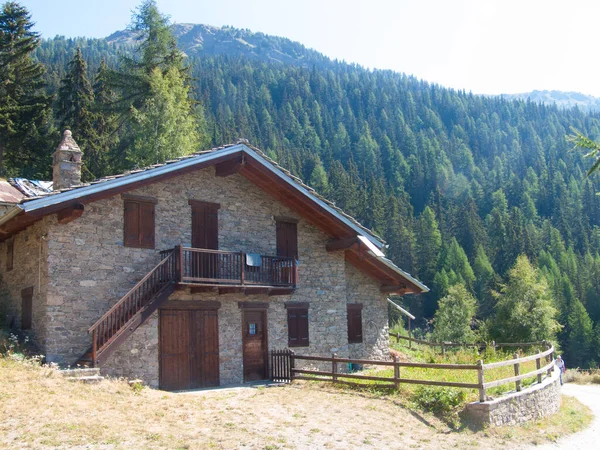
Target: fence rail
{"points": [[283, 369], [445, 345]]}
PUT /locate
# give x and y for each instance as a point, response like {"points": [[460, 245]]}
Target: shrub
{"points": [[444, 402]]}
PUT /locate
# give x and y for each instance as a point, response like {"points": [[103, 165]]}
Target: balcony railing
{"points": [[221, 268]]}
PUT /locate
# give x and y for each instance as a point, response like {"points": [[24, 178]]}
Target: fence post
{"points": [[480, 380], [396, 373], [443, 349], [333, 368], [397, 337], [292, 364], [517, 372], [538, 365], [409, 335], [548, 357]]}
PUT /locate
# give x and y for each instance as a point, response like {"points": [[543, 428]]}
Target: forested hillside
{"points": [[459, 185]]}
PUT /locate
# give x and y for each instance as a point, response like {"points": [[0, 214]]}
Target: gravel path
{"points": [[590, 437]]}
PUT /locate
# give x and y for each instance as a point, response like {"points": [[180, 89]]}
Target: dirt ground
{"points": [[39, 409]]}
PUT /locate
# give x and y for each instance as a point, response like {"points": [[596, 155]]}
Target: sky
{"points": [[484, 46]]}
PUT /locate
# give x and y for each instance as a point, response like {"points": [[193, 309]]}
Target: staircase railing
{"points": [[118, 318]]}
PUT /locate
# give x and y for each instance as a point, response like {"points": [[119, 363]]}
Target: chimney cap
{"points": [[68, 143]]}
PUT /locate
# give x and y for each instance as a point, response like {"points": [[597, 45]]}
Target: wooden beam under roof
{"points": [[69, 214], [341, 244], [228, 168]]}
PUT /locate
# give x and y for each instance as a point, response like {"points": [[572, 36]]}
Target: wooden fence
{"points": [[283, 369], [446, 345]]}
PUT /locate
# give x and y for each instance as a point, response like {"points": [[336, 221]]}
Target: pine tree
{"points": [[75, 102], [24, 107], [456, 311], [105, 126], [154, 86], [580, 336], [525, 310], [429, 241], [484, 282]]}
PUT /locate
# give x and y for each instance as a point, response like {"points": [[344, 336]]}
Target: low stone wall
{"points": [[534, 402]]}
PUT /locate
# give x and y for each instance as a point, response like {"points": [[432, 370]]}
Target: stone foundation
{"points": [[534, 402]]}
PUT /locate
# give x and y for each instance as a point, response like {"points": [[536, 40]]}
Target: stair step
{"points": [[78, 373], [88, 380]]}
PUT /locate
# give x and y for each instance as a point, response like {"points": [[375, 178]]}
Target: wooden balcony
{"points": [[227, 272]]}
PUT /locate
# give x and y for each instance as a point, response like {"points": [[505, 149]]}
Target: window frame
{"points": [[144, 238], [354, 318], [301, 315]]}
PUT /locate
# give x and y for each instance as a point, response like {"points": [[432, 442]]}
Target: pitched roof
{"points": [[258, 168]]}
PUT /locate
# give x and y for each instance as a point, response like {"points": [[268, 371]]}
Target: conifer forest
{"points": [[483, 199]]}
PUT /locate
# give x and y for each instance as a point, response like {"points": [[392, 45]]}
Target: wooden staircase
{"points": [[133, 309]]}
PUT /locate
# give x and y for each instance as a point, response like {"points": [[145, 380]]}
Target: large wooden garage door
{"points": [[189, 349]]}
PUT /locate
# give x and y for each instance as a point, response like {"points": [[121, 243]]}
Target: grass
{"points": [[422, 353], [40, 409]]}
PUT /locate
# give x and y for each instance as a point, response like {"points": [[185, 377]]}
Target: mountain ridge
{"points": [[209, 40]]}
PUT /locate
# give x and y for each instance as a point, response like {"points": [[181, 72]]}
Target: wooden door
{"points": [[205, 349], [175, 351], [205, 234], [254, 341], [189, 349]]}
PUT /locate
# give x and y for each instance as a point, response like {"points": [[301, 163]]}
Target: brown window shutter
{"points": [[131, 224], [355, 323], [293, 340], [303, 327], [26, 308], [146, 225], [287, 239], [138, 224], [298, 327], [10, 255]]}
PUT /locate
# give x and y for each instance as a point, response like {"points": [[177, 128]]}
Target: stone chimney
{"points": [[66, 163]]}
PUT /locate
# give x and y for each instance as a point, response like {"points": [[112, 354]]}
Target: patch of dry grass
{"points": [[40, 409], [591, 376]]}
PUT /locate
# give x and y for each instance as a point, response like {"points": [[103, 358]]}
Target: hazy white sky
{"points": [[484, 46]]}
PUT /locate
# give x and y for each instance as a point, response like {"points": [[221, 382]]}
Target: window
{"points": [[10, 255], [287, 238], [138, 226], [355, 323], [297, 324], [26, 308]]}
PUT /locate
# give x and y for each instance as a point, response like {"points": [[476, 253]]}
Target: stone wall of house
{"points": [[531, 403], [90, 270], [30, 269], [362, 289]]}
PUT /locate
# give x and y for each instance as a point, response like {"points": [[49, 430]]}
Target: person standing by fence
{"points": [[561, 367]]}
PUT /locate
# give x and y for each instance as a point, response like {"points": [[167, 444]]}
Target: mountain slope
{"points": [[196, 39], [560, 99]]}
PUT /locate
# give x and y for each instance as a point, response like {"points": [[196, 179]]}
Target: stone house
{"points": [[185, 274]]}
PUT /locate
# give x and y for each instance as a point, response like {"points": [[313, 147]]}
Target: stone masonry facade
{"points": [[84, 269]]}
